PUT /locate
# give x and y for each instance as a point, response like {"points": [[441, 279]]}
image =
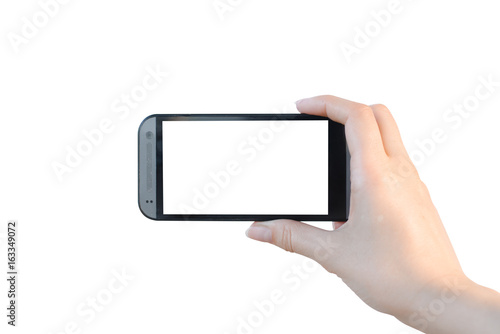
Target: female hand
{"points": [[393, 252]]}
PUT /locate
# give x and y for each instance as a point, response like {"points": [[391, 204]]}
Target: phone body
{"points": [[215, 167]]}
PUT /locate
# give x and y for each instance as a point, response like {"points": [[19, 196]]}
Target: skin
{"points": [[393, 252]]}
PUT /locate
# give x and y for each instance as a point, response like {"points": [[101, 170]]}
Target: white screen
{"points": [[245, 167]]}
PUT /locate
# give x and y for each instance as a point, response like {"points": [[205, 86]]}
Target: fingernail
{"points": [[298, 101], [259, 233]]}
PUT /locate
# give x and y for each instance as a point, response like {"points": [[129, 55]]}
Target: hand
{"points": [[393, 252]]}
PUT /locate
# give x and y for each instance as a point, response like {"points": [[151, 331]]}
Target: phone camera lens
{"points": [[149, 135]]}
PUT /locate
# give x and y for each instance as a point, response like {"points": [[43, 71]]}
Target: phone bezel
{"points": [[338, 169]]}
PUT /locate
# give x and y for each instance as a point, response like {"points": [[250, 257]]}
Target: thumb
{"points": [[295, 237]]}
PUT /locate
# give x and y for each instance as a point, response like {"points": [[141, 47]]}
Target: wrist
{"points": [[454, 304], [433, 301]]}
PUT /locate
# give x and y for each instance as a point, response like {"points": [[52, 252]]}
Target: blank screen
{"points": [[245, 167]]}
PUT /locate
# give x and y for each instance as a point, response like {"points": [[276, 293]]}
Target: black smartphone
{"points": [[243, 167]]}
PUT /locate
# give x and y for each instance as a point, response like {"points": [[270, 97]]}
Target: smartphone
{"points": [[243, 167]]}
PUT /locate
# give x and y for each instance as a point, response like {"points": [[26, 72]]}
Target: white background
{"points": [[200, 277]]}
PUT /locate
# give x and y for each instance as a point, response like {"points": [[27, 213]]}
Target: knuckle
{"points": [[422, 188], [362, 111], [381, 110], [286, 238], [380, 107]]}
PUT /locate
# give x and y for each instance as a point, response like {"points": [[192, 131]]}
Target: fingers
{"points": [[362, 132], [389, 131], [297, 237]]}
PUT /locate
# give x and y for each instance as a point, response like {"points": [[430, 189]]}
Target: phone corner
{"points": [[147, 213]]}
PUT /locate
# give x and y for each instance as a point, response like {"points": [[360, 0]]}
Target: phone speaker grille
{"points": [[149, 166]]}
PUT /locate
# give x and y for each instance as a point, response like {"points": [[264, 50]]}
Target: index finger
{"points": [[361, 128]]}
